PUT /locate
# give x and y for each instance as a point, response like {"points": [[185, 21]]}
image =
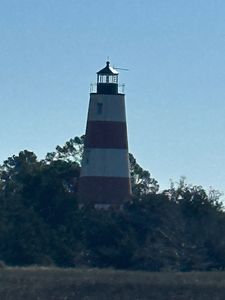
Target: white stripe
{"points": [[105, 162], [107, 108]]}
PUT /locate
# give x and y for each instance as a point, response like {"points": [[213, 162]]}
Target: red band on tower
{"points": [[105, 134]]}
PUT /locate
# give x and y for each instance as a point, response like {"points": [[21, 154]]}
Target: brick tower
{"points": [[104, 179]]}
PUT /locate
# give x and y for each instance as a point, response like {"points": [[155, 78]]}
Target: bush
{"points": [[2, 264]]}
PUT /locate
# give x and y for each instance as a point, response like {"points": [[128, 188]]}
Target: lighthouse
{"points": [[105, 180]]}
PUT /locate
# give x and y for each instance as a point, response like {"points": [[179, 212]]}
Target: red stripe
{"points": [[106, 134], [104, 190]]}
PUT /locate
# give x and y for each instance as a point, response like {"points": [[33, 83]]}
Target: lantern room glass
{"points": [[107, 79]]}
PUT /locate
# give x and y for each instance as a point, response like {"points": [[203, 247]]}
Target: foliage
{"points": [[179, 229], [141, 181], [71, 151]]}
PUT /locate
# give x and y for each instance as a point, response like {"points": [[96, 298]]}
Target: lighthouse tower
{"points": [[104, 180]]}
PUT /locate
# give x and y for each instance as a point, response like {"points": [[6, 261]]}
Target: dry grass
{"points": [[67, 284]]}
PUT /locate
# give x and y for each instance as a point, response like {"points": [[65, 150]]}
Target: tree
{"points": [[38, 204], [71, 152], [141, 180], [201, 212], [40, 223]]}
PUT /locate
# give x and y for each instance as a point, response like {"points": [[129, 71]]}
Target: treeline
{"points": [[181, 229]]}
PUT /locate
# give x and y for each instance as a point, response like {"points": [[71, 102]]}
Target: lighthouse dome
{"points": [[107, 70]]}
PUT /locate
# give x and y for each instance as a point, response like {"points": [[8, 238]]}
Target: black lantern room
{"points": [[107, 80]]}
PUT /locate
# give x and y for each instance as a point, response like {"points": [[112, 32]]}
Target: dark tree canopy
{"points": [[181, 228]]}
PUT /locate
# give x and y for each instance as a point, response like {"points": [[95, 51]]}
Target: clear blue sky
{"points": [[50, 51]]}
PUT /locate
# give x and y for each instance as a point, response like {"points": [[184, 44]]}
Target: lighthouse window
{"points": [[99, 108], [102, 79], [115, 79]]}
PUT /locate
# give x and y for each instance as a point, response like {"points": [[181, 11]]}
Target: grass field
{"points": [[67, 284]]}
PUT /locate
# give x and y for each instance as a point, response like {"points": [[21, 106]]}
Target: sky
{"points": [[50, 51]]}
